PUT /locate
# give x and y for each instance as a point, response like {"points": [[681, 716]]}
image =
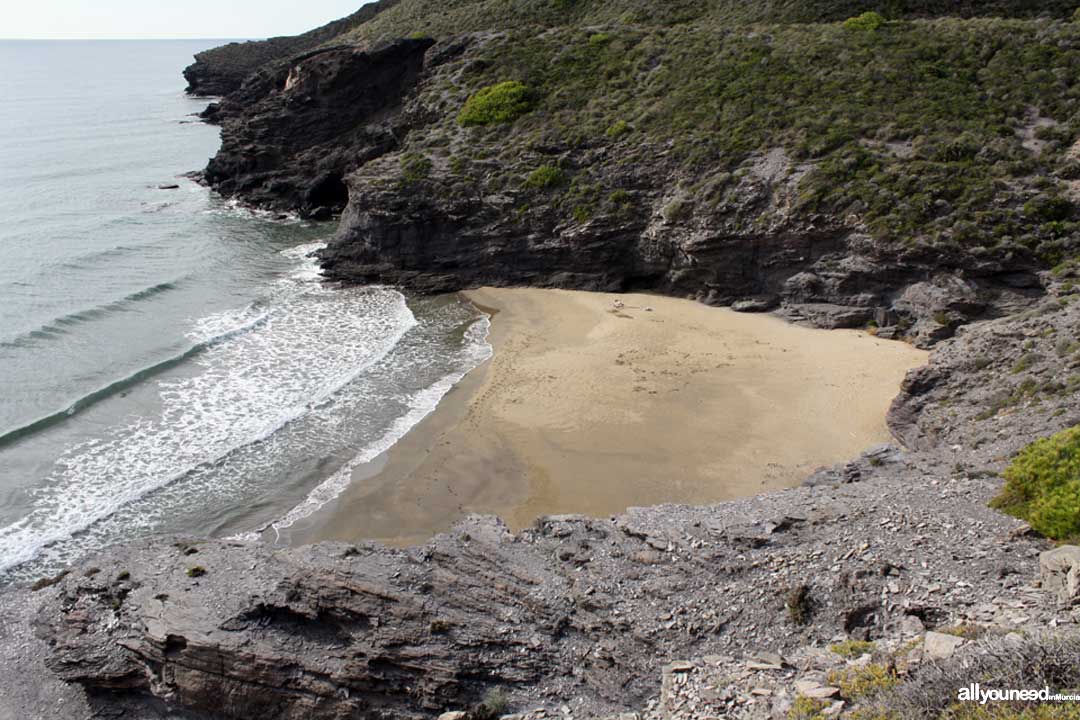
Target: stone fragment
{"points": [[939, 646], [823, 692], [758, 304], [911, 625], [834, 710], [1060, 572]]}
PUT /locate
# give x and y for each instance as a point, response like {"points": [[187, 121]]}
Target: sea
{"points": [[171, 362]]}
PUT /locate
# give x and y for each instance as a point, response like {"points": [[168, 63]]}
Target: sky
{"points": [[85, 19]]}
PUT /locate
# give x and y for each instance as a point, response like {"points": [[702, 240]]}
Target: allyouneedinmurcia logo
{"points": [[976, 693]]}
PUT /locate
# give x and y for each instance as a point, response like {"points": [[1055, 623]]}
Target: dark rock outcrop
{"points": [[574, 611], [337, 129], [756, 251], [222, 70], [292, 133]]}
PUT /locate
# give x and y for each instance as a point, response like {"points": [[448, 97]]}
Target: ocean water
{"points": [[170, 362]]}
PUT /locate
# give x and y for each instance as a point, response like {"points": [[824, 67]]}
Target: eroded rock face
{"points": [[222, 70], [433, 207], [575, 610], [436, 235], [294, 130], [997, 386]]}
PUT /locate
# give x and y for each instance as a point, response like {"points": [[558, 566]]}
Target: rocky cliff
{"points": [[649, 158], [222, 70]]}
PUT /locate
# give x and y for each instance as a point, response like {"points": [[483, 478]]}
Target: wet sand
{"points": [[589, 408]]}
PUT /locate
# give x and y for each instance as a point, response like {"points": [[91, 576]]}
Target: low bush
{"points": [[1048, 208], [501, 103], [545, 176], [863, 681], [415, 167], [798, 604], [1042, 485], [867, 22], [805, 708], [852, 648], [617, 129]]}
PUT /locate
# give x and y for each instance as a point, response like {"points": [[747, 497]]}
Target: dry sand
{"points": [[586, 408]]}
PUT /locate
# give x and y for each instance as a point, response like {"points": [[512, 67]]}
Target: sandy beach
{"points": [[589, 407]]}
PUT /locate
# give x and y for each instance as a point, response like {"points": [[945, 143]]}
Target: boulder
{"points": [[759, 304], [938, 307], [939, 646], [1060, 570]]}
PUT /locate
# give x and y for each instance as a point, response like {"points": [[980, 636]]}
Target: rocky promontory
{"points": [[222, 70]]}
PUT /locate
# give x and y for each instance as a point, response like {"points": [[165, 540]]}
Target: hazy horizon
{"points": [[194, 20]]}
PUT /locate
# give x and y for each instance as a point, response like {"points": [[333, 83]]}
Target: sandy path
{"points": [[586, 408]]}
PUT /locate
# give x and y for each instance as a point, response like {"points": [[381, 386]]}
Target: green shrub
{"points": [[545, 176], [1025, 362], [1048, 208], [867, 22], [850, 649], [798, 604], [617, 129], [501, 103], [494, 704], [1049, 711], [600, 38], [805, 708], [863, 680], [1076, 15], [415, 167], [1042, 485]]}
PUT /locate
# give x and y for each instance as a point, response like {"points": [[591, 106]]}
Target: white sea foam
{"points": [[265, 366], [421, 404], [235, 208]]}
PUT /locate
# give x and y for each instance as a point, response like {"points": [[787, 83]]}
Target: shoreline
{"points": [[588, 408]]}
